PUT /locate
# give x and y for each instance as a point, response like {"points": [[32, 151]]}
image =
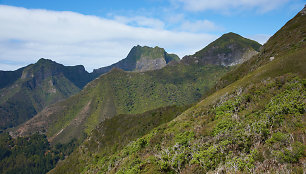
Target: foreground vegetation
{"points": [[115, 133], [256, 129]]}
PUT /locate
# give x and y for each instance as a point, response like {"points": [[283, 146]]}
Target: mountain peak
{"points": [[229, 49], [137, 52], [230, 34], [142, 58], [44, 60]]}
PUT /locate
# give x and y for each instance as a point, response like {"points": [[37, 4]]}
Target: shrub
{"points": [[278, 137], [223, 126], [184, 138], [291, 156]]}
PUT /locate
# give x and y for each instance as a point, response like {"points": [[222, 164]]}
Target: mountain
{"points": [[228, 50], [121, 92], [47, 82], [28, 90], [253, 124], [142, 59]]}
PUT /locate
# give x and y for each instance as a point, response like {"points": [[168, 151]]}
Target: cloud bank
{"points": [[72, 38]]}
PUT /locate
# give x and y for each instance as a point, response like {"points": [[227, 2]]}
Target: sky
{"points": [[98, 33]]}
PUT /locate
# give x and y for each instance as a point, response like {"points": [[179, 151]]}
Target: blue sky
{"points": [[97, 33]]}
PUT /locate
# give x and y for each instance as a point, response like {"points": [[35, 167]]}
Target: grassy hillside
{"points": [[115, 133], [120, 92], [257, 129], [254, 125]]}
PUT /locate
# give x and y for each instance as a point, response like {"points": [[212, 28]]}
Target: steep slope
{"points": [[122, 129], [36, 86], [120, 92], [290, 38], [141, 59], [230, 49], [254, 125]]}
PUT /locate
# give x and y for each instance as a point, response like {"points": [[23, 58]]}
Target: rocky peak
{"points": [[142, 58]]}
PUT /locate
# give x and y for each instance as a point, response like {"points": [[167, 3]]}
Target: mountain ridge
{"points": [[121, 92], [40, 93]]}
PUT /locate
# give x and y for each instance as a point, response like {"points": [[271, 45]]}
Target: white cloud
{"points": [[175, 18], [9, 67], [72, 38], [141, 21], [202, 5], [199, 26]]}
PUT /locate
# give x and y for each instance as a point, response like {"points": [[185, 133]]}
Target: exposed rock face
{"points": [[246, 55], [145, 64], [230, 49], [141, 59]]}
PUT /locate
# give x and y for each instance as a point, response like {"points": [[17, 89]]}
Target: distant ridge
{"points": [[26, 91]]}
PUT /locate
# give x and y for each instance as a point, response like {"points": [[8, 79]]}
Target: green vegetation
{"points": [[31, 154], [254, 125], [118, 133], [253, 121], [120, 92], [243, 132]]}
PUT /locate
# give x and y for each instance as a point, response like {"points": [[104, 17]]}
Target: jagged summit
{"points": [[230, 49], [142, 58]]}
